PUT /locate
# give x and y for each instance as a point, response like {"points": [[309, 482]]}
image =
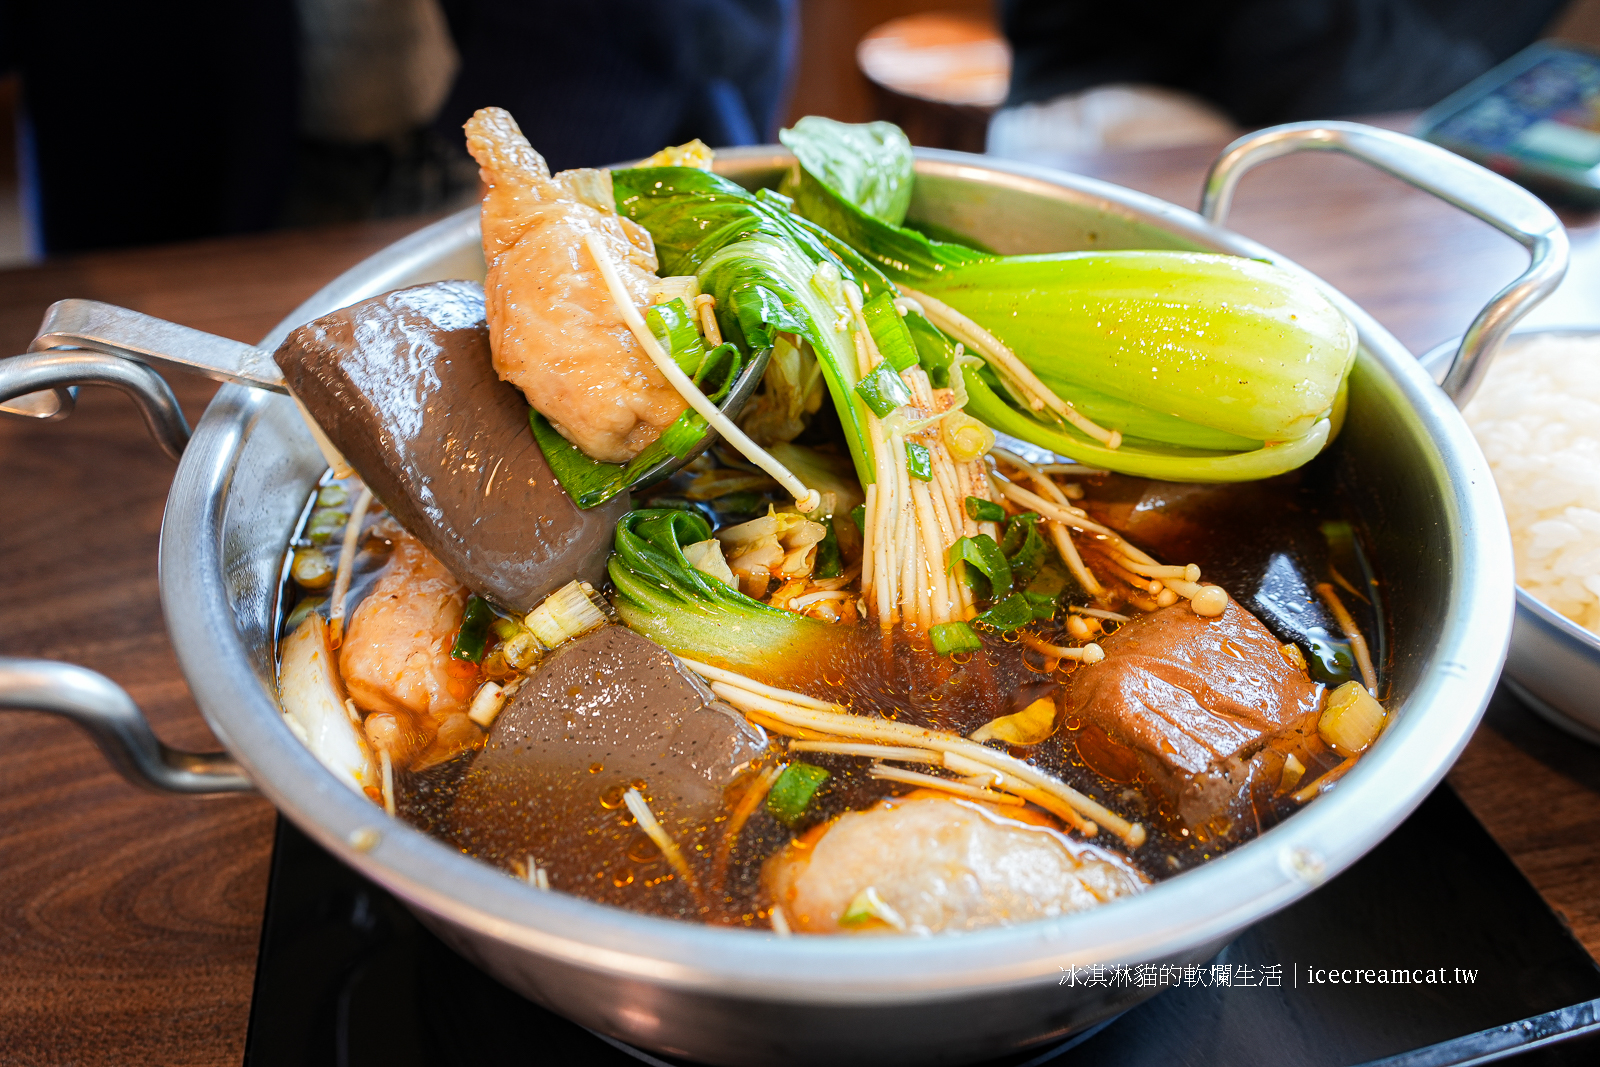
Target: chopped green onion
{"points": [[1022, 546], [1052, 580], [311, 568], [1352, 719], [867, 906], [859, 515], [829, 563], [984, 556], [919, 462], [981, 510], [521, 650], [889, 333], [331, 496], [673, 323], [505, 629], [883, 390], [951, 637], [681, 503], [1012, 613], [683, 434], [1043, 605], [567, 613], [324, 523], [793, 790], [474, 632]]}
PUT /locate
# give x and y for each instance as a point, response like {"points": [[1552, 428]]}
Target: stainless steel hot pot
{"points": [[739, 997]]}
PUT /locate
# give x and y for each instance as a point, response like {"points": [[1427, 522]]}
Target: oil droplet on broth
{"points": [[596, 768], [621, 878], [643, 850], [611, 797]]}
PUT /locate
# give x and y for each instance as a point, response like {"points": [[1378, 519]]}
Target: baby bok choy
{"points": [[778, 278], [1168, 364], [676, 603]]}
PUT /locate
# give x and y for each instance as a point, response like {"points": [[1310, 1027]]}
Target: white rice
{"points": [[1537, 417]]}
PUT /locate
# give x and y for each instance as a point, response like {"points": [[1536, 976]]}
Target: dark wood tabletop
{"points": [[129, 921]]}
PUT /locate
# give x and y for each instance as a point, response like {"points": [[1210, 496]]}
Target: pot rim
{"points": [[1201, 906]]}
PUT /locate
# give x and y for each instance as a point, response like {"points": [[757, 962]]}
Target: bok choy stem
{"points": [[1210, 367]]}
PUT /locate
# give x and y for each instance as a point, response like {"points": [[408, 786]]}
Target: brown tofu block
{"points": [[403, 386]]}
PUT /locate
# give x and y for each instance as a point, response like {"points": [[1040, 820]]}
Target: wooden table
{"points": [[129, 922]]}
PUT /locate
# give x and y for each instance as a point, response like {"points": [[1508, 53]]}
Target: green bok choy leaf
{"points": [[662, 596]]}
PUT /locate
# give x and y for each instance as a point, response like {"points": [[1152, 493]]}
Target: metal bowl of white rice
{"points": [[1537, 418]]}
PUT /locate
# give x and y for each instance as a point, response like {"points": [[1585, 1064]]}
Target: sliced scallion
{"points": [[919, 462], [983, 555], [883, 390], [324, 523], [829, 563], [474, 632], [791, 794], [1042, 605], [1012, 613], [1023, 548], [301, 610], [981, 510], [951, 637], [505, 629], [868, 906]]}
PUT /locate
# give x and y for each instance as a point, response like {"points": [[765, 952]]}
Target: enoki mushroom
{"points": [[347, 560], [1208, 600], [1018, 379], [910, 522], [817, 720]]}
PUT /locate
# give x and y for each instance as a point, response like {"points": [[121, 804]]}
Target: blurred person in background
{"points": [[1087, 74], [142, 124], [606, 81]]}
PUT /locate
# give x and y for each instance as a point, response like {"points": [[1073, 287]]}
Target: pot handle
{"points": [[108, 713], [44, 384], [1501, 203]]}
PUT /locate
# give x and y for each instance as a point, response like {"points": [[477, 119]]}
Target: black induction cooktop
{"points": [[347, 978]]}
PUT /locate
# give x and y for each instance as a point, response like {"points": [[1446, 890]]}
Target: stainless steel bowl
{"points": [[1554, 664], [1436, 532]]}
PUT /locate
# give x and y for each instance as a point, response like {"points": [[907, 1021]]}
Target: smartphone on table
{"points": [[1535, 118]]}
